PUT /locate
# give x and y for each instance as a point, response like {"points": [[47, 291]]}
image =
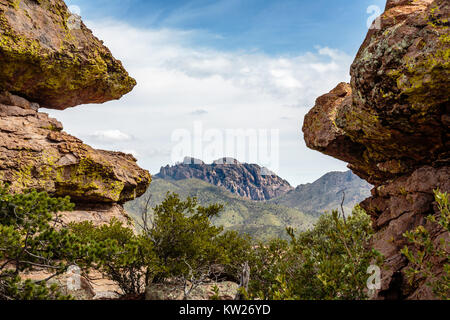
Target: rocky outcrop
{"points": [[391, 124], [49, 60], [98, 214], [49, 56], [247, 180], [36, 154]]}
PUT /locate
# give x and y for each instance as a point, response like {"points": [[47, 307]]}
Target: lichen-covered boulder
{"points": [[392, 125], [54, 61], [398, 119], [36, 154], [321, 130], [401, 86]]}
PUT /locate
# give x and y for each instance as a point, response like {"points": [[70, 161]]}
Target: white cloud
{"points": [[198, 112], [165, 59], [109, 136], [152, 152], [241, 89]]}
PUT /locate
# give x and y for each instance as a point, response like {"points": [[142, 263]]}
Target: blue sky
{"points": [[273, 26], [217, 66]]}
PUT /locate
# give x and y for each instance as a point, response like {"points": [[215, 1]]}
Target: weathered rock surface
{"points": [[49, 56], [98, 214], [391, 124], [247, 180], [97, 288], [36, 154]]}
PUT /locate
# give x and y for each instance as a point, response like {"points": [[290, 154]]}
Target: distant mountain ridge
{"points": [[327, 193], [298, 208], [250, 181]]}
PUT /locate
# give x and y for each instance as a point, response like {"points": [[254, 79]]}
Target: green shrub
{"points": [[335, 256], [268, 264], [179, 244], [236, 250], [326, 263], [184, 238], [425, 251]]}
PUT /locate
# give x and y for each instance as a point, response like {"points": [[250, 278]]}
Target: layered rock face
{"points": [[46, 63], [391, 124], [247, 180], [37, 154]]}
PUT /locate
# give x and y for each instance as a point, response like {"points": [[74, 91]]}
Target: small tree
{"points": [[176, 241], [185, 241], [237, 251], [31, 237], [268, 263], [120, 254], [335, 257]]}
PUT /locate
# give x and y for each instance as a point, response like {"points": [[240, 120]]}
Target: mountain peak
{"points": [[247, 180], [327, 193]]}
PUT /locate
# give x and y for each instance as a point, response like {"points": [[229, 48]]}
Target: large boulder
{"points": [[49, 56], [391, 124], [395, 116]]}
